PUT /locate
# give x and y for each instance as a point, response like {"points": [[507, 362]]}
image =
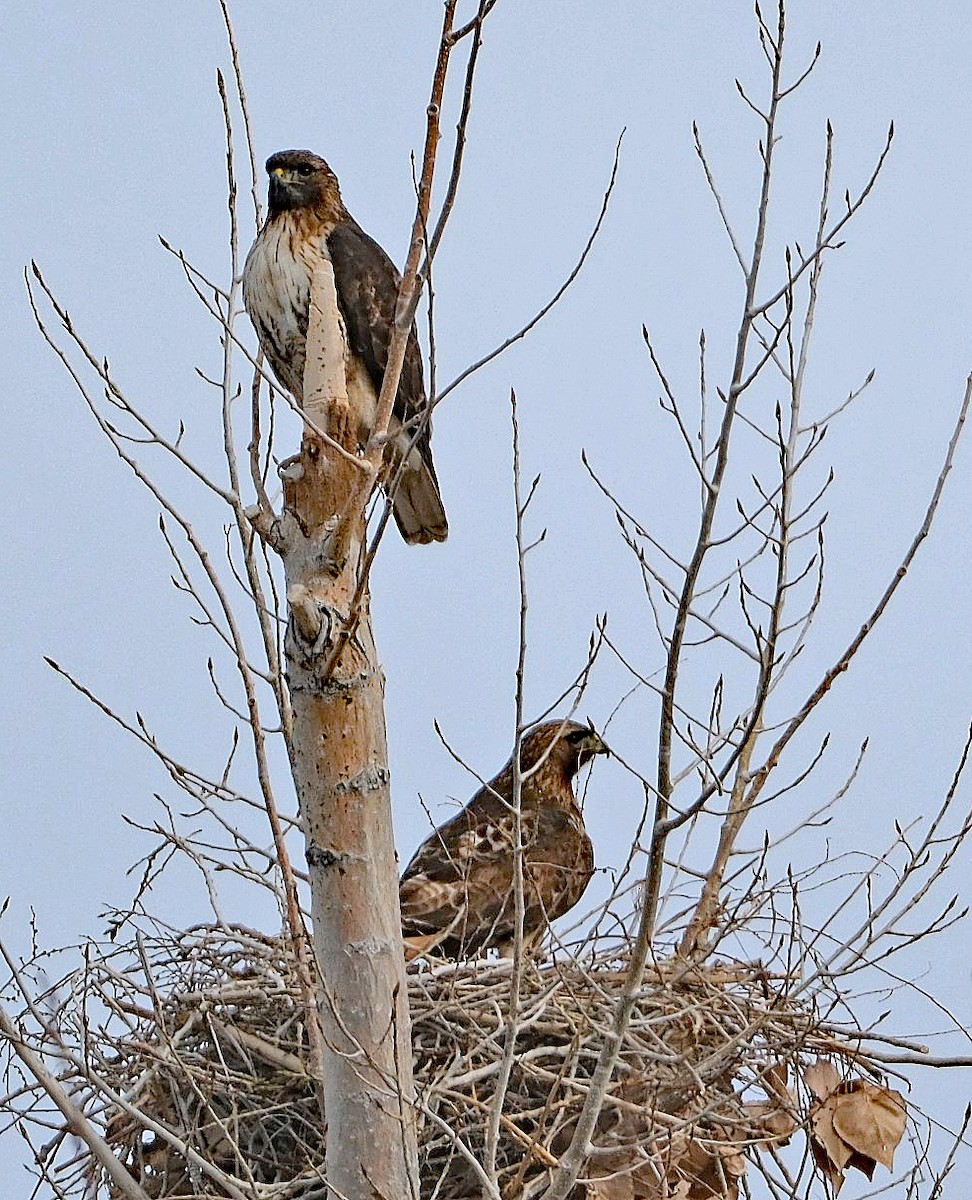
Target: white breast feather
{"points": [[276, 291]]}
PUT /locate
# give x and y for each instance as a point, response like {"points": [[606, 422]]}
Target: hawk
{"points": [[457, 892], [307, 222]]}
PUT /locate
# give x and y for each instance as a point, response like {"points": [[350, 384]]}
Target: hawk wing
{"points": [[459, 883], [560, 863], [457, 892], [367, 284]]}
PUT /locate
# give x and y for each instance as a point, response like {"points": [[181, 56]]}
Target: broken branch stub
{"points": [[340, 766]]}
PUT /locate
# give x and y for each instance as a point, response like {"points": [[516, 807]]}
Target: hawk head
{"points": [[564, 744], [300, 179]]}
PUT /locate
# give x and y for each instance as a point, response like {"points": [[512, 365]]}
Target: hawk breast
{"points": [[276, 291]]}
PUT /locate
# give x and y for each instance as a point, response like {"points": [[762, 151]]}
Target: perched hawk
{"points": [[457, 892], [307, 221]]}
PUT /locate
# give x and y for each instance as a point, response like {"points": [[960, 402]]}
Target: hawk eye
{"points": [[305, 169]]}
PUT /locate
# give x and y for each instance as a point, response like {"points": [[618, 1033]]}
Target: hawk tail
{"points": [[417, 505]]}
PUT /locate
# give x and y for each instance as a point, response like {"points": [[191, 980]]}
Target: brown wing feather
{"points": [[460, 882], [367, 285]]}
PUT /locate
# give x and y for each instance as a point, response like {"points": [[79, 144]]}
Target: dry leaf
{"points": [[852, 1124], [871, 1120], [614, 1187], [776, 1082], [708, 1175], [821, 1078], [771, 1125], [823, 1131], [832, 1174], [733, 1163]]}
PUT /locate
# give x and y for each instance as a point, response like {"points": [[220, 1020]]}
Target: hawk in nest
{"points": [[308, 222], [457, 893]]}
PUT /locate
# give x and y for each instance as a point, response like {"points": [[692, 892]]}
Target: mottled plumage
{"points": [[457, 892], [307, 222]]}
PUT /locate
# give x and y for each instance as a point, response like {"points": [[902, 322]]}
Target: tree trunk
{"points": [[342, 778]]}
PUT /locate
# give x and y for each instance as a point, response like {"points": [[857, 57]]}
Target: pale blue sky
{"points": [[113, 135]]}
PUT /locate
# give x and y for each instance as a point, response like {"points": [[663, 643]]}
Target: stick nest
{"points": [[207, 1040]]}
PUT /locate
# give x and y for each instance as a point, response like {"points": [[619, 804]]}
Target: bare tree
{"points": [[696, 1035]]}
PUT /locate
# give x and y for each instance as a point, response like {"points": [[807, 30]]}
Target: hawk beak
{"points": [[594, 744], [278, 189], [597, 744]]}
